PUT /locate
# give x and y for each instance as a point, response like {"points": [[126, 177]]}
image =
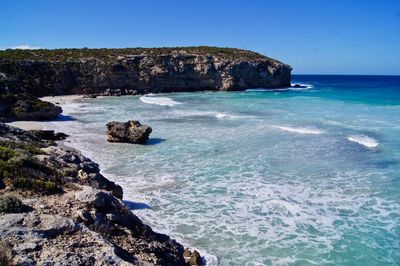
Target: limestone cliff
{"points": [[138, 70]]}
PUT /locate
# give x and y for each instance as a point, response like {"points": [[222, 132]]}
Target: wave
{"points": [[293, 87], [163, 101], [364, 140], [228, 116], [301, 130]]}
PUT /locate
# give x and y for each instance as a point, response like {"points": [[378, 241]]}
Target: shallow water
{"points": [[288, 177]]}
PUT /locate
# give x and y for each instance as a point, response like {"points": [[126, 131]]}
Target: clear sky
{"points": [[314, 37]]}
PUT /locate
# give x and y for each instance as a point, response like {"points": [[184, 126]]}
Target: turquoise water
{"points": [[305, 176]]}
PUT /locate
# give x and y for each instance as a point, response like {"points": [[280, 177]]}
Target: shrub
{"points": [[6, 153], [30, 148], [111, 54], [48, 187], [10, 204], [8, 162]]}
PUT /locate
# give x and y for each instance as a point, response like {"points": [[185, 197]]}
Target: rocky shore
{"points": [[57, 209], [55, 206]]}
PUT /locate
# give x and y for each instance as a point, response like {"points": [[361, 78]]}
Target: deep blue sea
{"points": [[297, 176]]}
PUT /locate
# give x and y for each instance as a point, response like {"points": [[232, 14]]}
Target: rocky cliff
{"points": [[138, 70]]}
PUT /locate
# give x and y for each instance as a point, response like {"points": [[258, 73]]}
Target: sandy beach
{"points": [[61, 100]]}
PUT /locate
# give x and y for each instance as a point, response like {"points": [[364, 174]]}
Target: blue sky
{"points": [[314, 37]]}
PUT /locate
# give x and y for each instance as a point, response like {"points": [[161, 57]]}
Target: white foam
{"points": [[291, 88], [229, 116], [303, 86], [301, 130], [364, 140], [219, 115], [163, 101]]}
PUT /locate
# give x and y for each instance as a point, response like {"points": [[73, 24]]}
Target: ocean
{"points": [[296, 176]]}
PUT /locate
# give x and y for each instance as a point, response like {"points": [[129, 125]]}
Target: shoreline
{"points": [[76, 201], [64, 100]]}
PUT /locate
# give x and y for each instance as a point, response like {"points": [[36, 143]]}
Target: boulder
{"points": [[100, 200], [129, 132]]}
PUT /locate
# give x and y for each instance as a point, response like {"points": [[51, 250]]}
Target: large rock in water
{"points": [[130, 132]]}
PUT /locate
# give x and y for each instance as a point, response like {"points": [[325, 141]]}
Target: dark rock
{"points": [[49, 135], [130, 132], [9, 133], [70, 162]]}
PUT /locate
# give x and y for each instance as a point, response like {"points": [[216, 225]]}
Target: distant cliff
{"points": [[138, 70]]}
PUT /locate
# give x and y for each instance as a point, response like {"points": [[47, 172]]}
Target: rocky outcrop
{"points": [[23, 106], [130, 132], [82, 222], [138, 71]]}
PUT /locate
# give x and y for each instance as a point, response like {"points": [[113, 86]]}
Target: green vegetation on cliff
{"points": [[62, 55]]}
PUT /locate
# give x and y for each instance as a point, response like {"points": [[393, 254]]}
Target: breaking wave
{"points": [[364, 140], [301, 130], [162, 101]]}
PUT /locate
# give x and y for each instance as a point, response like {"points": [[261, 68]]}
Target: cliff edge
{"points": [[138, 70]]}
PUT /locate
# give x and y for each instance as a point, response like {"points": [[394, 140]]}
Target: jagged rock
{"points": [[195, 259], [99, 199], [73, 164], [192, 258], [130, 132]]}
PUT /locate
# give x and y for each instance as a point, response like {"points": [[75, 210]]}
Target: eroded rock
{"points": [[130, 132]]}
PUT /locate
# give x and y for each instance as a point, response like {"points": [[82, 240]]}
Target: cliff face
{"points": [[80, 71]]}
